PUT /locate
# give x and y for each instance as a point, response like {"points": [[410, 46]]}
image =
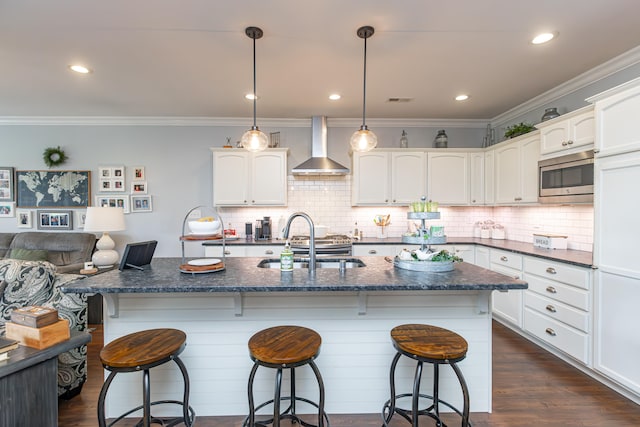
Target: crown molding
{"points": [[408, 123], [148, 121], [617, 64]]}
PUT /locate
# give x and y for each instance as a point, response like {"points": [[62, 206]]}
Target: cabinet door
{"points": [[231, 178], [617, 122], [489, 178], [582, 130], [508, 305], [408, 177], [269, 178], [507, 172], [448, 178], [370, 178], [477, 179], [555, 137], [529, 155]]}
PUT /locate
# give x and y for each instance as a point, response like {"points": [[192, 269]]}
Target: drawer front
{"points": [[508, 259], [566, 294], [564, 338], [576, 276], [230, 251], [557, 311], [263, 251]]}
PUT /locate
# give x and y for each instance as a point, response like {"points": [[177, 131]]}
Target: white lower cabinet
{"points": [[375, 250], [264, 251], [558, 306], [507, 306]]}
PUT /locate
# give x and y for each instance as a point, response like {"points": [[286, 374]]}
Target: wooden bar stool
{"points": [[426, 344], [285, 347], [141, 351]]}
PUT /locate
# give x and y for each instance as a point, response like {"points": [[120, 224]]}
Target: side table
{"points": [[29, 384]]}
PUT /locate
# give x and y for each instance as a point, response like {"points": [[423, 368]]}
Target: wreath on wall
{"points": [[54, 156]]}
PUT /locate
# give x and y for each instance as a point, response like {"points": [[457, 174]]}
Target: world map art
{"points": [[59, 189]]}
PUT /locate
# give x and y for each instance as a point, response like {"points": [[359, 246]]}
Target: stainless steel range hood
{"points": [[319, 163]]}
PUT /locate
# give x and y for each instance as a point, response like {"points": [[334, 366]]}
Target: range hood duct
{"points": [[319, 163]]}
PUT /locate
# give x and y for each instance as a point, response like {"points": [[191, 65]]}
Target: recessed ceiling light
{"points": [[462, 97], [334, 96], [79, 69], [543, 38], [250, 96]]}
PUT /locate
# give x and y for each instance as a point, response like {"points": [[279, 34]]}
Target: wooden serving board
{"points": [[201, 237], [187, 268]]}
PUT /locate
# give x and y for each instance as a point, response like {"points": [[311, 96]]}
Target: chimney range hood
{"points": [[319, 163]]}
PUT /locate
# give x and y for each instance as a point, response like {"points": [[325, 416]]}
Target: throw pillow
{"points": [[27, 283], [28, 254], [2, 285]]}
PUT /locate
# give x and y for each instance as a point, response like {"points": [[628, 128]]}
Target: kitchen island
{"points": [[352, 310]]}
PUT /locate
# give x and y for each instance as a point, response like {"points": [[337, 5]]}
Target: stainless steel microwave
{"points": [[566, 179]]}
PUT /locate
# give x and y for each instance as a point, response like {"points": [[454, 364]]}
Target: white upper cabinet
{"points": [[388, 177], [616, 111], [489, 177], [516, 170], [448, 177], [477, 178], [569, 133], [241, 178]]}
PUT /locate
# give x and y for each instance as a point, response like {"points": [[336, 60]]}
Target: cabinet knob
{"points": [[253, 201], [564, 143], [226, 252], [394, 200], [386, 200], [268, 252], [570, 142], [473, 201], [551, 270], [372, 252], [504, 258], [550, 332], [551, 308], [244, 201], [551, 290]]}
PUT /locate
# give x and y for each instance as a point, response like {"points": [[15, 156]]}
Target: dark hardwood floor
{"points": [[530, 387]]}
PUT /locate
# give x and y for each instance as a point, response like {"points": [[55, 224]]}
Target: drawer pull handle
{"points": [[372, 252], [551, 308], [268, 252], [551, 270], [551, 290], [227, 252], [504, 258], [550, 332]]}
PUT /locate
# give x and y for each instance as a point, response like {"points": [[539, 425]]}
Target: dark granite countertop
{"points": [[243, 275], [569, 256]]}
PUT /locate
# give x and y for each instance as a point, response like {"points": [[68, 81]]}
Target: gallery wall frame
{"points": [[24, 218], [113, 201], [7, 209], [53, 189], [50, 219], [6, 183], [111, 179], [141, 204]]}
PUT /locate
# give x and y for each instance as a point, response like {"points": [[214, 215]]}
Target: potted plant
{"points": [[517, 130]]}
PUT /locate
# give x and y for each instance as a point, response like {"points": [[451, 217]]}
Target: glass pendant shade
{"points": [[363, 140], [254, 140]]}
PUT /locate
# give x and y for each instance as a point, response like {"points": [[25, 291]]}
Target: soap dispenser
{"points": [[286, 258]]}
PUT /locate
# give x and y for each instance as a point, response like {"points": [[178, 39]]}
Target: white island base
{"points": [[354, 359]]}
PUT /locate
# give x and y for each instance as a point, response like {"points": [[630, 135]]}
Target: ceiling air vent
{"points": [[399, 99]]}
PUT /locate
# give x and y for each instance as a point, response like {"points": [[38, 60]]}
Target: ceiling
{"points": [[191, 58]]}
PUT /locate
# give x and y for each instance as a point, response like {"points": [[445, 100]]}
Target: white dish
{"points": [[203, 261]]}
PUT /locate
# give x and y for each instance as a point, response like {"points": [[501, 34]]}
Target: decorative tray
{"points": [[423, 215], [428, 266], [199, 269], [419, 240]]}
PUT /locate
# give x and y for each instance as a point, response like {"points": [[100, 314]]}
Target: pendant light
{"points": [[254, 139], [363, 139]]}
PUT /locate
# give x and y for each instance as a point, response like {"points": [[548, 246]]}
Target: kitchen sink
{"points": [[320, 263]]}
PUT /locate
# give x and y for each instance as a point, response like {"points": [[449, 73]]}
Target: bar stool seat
{"points": [[426, 344], [285, 347], [141, 351]]}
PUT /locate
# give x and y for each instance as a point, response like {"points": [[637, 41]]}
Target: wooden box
{"points": [[39, 337], [34, 316]]}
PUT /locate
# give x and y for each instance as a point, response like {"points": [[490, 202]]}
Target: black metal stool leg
{"points": [[321, 414], [276, 398], [101, 398], [146, 399], [416, 395], [185, 396], [392, 400], [293, 392], [252, 408], [436, 393], [465, 395]]}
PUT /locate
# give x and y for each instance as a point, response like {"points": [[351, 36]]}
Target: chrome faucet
{"points": [[312, 238]]}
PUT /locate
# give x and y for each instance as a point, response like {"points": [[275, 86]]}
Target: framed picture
{"points": [[53, 189], [24, 218], [103, 200], [6, 183], [141, 204], [7, 209], [111, 178], [81, 217], [54, 220], [138, 173], [139, 187]]}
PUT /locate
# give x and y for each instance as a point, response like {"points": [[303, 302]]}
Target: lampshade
{"points": [[363, 139], [254, 139], [100, 219]]}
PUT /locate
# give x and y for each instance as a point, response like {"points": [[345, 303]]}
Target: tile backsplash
{"points": [[328, 201]]}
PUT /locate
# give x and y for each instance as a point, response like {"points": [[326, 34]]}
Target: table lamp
{"points": [[104, 219]]}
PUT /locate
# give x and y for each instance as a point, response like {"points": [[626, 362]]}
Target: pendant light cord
{"points": [[364, 86], [255, 95]]}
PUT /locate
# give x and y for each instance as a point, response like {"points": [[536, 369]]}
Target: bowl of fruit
{"points": [[205, 226]]}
